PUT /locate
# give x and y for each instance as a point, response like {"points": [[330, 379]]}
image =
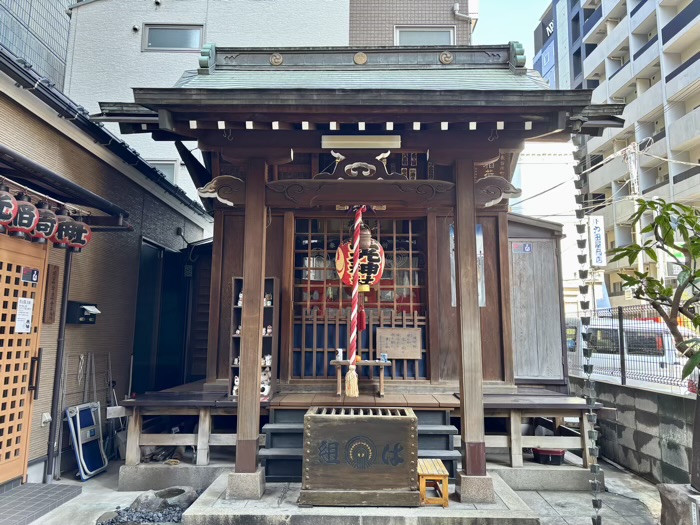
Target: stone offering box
{"points": [[360, 457]]}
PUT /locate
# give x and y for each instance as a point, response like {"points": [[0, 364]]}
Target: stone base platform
{"points": [[155, 476], [279, 506], [533, 476]]}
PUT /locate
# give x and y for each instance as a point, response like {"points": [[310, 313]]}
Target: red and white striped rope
{"points": [[355, 283]]}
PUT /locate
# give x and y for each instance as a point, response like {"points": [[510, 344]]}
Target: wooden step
{"points": [[445, 455], [437, 429], [281, 453], [283, 427]]}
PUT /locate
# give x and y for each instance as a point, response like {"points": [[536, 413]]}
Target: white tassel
{"points": [[351, 387]]}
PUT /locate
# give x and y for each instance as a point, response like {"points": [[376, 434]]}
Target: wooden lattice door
{"points": [[22, 273]]}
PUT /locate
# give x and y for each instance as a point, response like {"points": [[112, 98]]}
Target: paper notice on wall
{"points": [[23, 318]]}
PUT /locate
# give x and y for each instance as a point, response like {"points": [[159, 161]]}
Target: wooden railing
{"points": [[317, 337]]}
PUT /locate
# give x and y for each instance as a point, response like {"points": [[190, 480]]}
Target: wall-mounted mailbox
{"points": [[81, 313]]}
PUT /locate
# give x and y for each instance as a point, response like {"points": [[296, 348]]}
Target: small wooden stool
{"points": [[432, 473]]}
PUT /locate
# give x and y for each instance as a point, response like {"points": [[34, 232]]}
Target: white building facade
{"points": [[645, 54], [116, 45]]}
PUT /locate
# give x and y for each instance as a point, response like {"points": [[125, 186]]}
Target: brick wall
{"points": [[106, 273], [649, 433], [372, 23]]}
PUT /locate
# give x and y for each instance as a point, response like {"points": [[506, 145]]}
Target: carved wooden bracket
{"points": [[227, 189], [491, 190], [374, 169]]}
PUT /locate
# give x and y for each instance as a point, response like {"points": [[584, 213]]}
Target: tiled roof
{"points": [[429, 79]]}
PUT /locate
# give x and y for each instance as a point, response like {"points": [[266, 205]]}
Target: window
{"points": [[424, 36], [167, 167], [172, 38]]}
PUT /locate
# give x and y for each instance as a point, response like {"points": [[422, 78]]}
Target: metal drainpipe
{"points": [[471, 19], [58, 373]]}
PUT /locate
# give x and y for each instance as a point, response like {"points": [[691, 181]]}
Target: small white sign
{"points": [[596, 232], [23, 318]]}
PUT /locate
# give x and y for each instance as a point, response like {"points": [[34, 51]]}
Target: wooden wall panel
{"points": [[199, 318], [232, 266], [537, 341], [491, 314], [491, 325], [449, 328]]}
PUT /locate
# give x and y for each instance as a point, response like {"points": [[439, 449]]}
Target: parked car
{"points": [[650, 352]]}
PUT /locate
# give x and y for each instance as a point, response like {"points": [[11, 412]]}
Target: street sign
{"points": [[596, 232]]}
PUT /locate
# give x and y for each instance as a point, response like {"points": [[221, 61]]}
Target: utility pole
{"points": [[631, 156]]}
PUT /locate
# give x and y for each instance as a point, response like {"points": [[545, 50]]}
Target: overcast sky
{"points": [[501, 21]]}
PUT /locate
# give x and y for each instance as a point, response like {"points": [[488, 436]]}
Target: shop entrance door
{"points": [[22, 274]]}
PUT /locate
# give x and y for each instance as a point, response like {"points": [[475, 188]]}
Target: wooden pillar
{"points": [[133, 435], [471, 370], [203, 434], [433, 300], [287, 297], [506, 319], [254, 240]]}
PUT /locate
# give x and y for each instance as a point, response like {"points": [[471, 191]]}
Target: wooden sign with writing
{"points": [[51, 298], [399, 343]]}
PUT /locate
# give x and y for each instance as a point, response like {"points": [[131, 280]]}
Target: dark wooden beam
{"points": [[471, 369], [254, 240]]}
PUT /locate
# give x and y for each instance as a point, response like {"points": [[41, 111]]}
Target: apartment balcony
{"points": [[649, 102], [608, 215], [623, 210], [645, 55], [592, 21], [683, 30], [603, 176], [683, 133], [685, 78], [600, 93], [658, 149], [596, 143], [620, 79], [686, 185], [609, 44], [660, 189], [641, 11]]}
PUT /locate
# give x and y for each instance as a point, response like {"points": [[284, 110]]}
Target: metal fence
{"points": [[630, 345]]}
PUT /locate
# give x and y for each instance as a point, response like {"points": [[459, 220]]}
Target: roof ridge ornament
{"points": [[207, 59], [516, 60]]}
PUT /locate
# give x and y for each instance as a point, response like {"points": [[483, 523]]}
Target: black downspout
{"points": [[58, 373]]}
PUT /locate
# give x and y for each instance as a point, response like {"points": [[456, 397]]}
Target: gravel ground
{"points": [[169, 515]]}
